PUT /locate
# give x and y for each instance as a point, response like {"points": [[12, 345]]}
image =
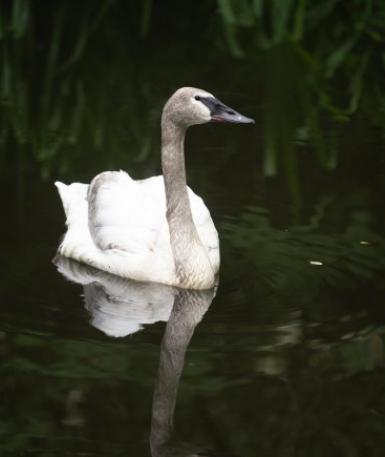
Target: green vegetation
{"points": [[317, 59], [69, 85]]}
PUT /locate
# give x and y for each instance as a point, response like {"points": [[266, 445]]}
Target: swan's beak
{"points": [[223, 113]]}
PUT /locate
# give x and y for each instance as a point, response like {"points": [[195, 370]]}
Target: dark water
{"points": [[286, 360]]}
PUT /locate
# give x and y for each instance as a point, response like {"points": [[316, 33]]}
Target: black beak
{"points": [[222, 113]]}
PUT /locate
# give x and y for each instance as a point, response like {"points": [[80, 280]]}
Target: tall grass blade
{"points": [[145, 17], [258, 8], [20, 17], [337, 58], [226, 11], [299, 19], [357, 83], [281, 14]]}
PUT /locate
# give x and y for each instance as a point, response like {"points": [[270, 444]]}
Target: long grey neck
{"points": [[174, 173], [190, 256]]}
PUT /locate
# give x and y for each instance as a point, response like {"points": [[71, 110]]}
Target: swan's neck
{"points": [[174, 173], [192, 264]]}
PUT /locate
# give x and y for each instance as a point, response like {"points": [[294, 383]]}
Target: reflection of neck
{"points": [[188, 310], [190, 256]]}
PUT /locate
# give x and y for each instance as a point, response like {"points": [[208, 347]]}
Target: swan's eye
{"points": [[197, 97]]}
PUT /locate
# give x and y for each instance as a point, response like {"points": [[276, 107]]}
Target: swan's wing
{"points": [[131, 215], [135, 262], [125, 214]]}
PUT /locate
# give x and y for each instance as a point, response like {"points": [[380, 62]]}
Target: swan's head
{"points": [[190, 106]]}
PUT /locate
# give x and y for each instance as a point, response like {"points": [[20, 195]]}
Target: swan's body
{"points": [[156, 229], [129, 235]]}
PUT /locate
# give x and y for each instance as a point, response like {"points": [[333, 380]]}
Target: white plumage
{"points": [[124, 230]]}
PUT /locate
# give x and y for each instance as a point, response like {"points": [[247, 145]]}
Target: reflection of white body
{"points": [[157, 229], [118, 307]]}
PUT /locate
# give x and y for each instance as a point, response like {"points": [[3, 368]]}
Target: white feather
{"points": [[119, 225]]}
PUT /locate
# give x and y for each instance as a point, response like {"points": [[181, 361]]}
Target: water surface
{"points": [[286, 360]]}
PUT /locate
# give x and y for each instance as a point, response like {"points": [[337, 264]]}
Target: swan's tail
{"points": [[77, 241], [73, 197]]}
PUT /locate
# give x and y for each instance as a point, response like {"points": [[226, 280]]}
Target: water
{"points": [[286, 360]]}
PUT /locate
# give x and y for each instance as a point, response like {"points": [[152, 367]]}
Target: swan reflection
{"points": [[120, 307], [188, 310]]}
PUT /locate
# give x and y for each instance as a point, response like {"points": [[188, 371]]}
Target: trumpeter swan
{"points": [[155, 229]]}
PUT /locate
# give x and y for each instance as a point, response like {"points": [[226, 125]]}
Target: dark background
{"points": [[289, 360]]}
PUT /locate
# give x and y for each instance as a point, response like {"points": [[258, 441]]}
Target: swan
{"points": [[156, 229]]}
